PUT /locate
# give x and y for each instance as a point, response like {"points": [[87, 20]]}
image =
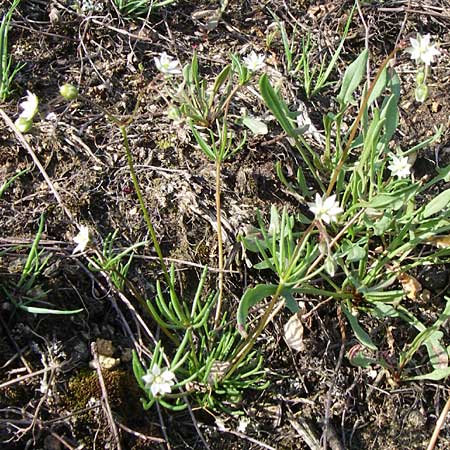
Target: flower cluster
{"points": [[423, 53], [90, 6]]}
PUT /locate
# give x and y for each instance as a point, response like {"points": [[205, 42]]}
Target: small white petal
{"points": [[164, 388], [29, 106], [154, 388], [167, 375], [326, 218], [82, 239], [156, 371], [148, 379]]}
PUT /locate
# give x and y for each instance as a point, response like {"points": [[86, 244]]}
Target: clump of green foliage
{"points": [[140, 8], [7, 71]]}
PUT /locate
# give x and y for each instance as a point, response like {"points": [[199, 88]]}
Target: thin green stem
{"points": [[354, 129], [123, 130], [226, 104], [219, 243], [249, 342]]}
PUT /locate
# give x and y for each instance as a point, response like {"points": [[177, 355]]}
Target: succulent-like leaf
{"points": [[352, 78]]}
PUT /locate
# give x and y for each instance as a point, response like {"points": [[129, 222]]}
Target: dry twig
{"points": [[438, 426], [105, 401]]}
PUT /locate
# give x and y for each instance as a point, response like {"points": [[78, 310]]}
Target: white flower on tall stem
{"points": [[29, 106], [254, 62], [421, 50], [167, 64], [326, 208], [159, 382], [82, 239], [400, 166]]}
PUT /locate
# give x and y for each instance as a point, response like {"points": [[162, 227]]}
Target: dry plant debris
{"points": [[66, 381]]}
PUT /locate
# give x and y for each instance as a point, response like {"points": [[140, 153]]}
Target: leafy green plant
{"points": [[314, 77], [7, 72], [112, 262], [139, 8], [200, 356], [28, 290], [206, 347], [385, 227], [201, 103], [9, 182], [192, 359], [205, 105]]}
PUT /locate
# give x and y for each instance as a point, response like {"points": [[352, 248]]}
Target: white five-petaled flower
{"points": [[254, 62], [421, 50], [326, 208], [167, 64], [29, 106], [159, 382], [400, 166], [81, 239]]}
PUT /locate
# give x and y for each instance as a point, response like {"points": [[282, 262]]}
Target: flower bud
{"points": [[421, 93], [68, 91], [174, 113], [23, 124], [420, 77]]}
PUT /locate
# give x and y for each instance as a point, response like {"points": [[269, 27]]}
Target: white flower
{"points": [[167, 64], [244, 422], [400, 167], [421, 50], [82, 239], [254, 62], [29, 106], [89, 6], [159, 382], [326, 209]]}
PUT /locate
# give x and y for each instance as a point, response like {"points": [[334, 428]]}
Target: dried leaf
{"points": [[410, 285], [218, 370], [390, 340], [441, 356], [207, 19], [425, 296], [439, 241], [293, 333]]}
